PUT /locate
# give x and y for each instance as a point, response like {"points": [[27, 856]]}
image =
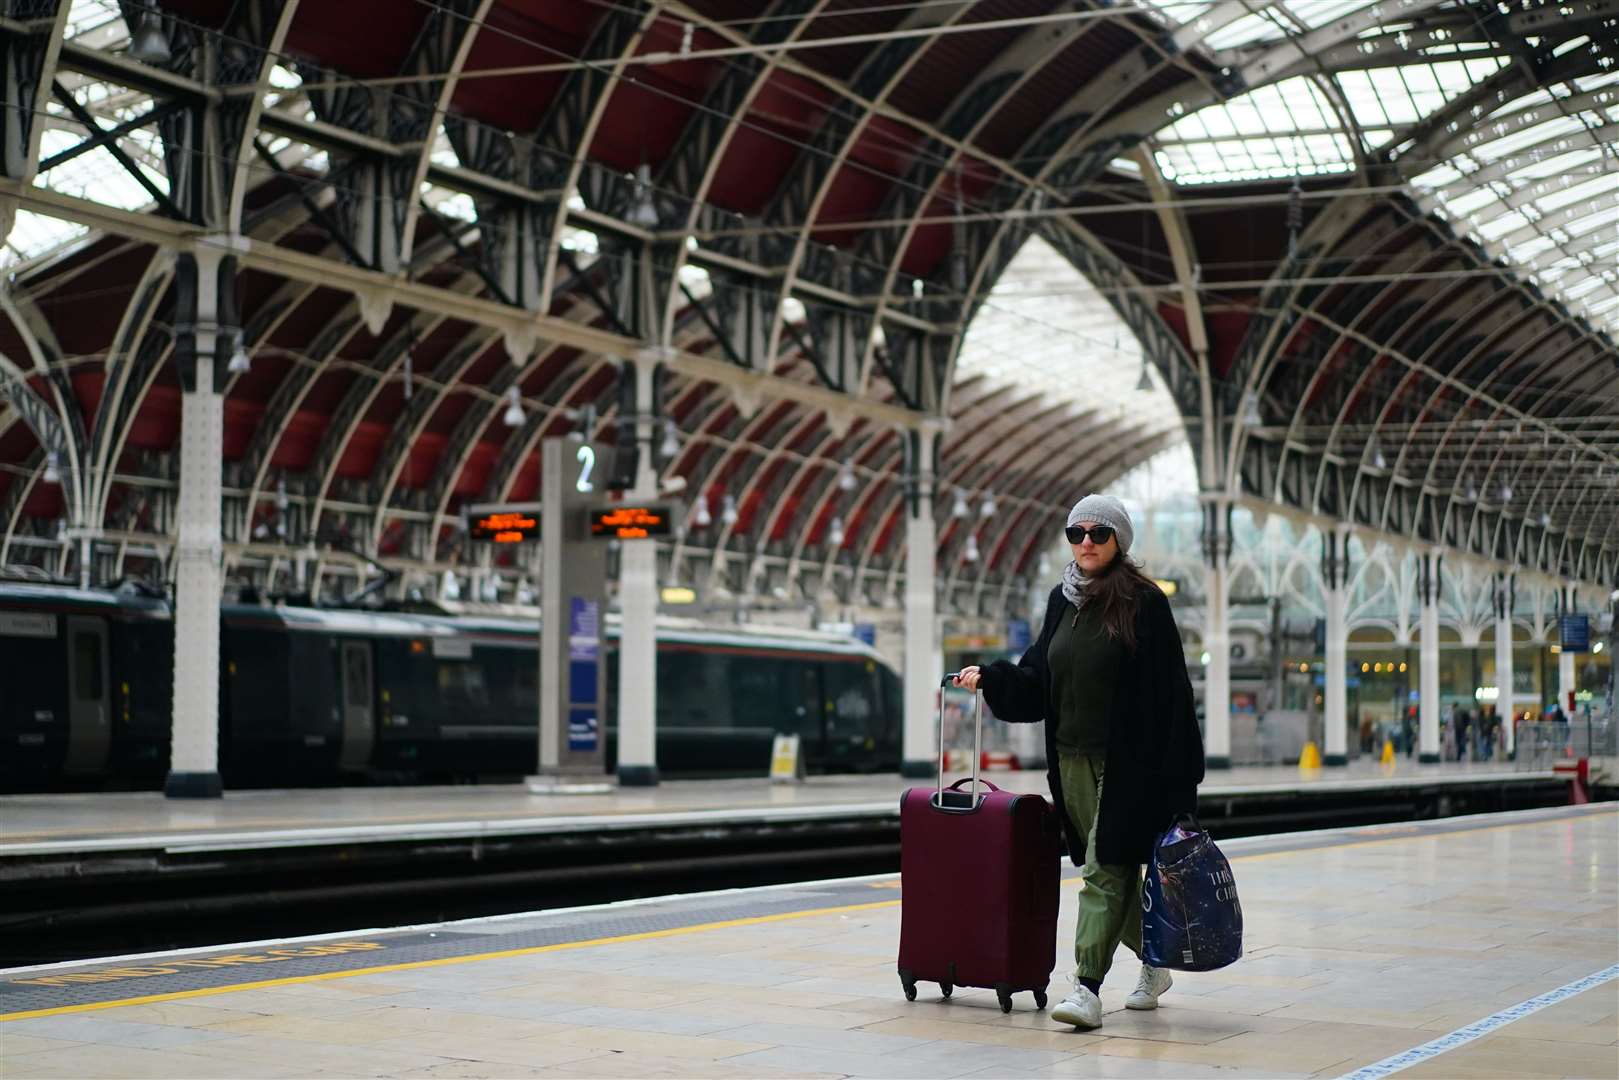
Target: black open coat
{"points": [[1154, 749]]}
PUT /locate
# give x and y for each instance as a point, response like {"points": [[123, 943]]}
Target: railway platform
{"points": [[1483, 946], [51, 825], [93, 873]]}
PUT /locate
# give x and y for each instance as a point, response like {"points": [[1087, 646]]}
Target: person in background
{"points": [[1108, 677]]}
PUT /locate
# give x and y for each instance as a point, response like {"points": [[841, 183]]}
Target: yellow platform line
{"points": [[757, 920], [443, 961]]}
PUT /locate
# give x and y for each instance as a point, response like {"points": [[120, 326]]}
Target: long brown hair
{"points": [[1118, 590]]}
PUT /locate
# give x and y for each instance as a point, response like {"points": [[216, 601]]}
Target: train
{"points": [[314, 696]]}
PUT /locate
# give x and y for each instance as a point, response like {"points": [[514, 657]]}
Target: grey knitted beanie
{"points": [[1105, 510]]}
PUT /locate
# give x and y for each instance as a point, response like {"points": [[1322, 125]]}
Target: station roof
{"points": [[1380, 235]]}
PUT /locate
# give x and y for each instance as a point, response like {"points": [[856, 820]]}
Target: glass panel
{"points": [[853, 708], [692, 691], [461, 684], [357, 677], [758, 692], [1047, 331], [87, 666]]}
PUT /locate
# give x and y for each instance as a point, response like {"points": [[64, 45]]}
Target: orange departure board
{"points": [[505, 528], [631, 522]]}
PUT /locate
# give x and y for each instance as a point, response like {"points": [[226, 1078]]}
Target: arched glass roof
{"points": [[829, 219], [1048, 330], [1530, 172]]}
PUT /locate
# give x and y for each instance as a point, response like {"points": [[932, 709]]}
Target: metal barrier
{"points": [[1544, 743]]}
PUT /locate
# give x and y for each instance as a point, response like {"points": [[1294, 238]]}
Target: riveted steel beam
{"points": [[30, 45], [131, 364], [801, 196], [570, 127], [294, 265]]}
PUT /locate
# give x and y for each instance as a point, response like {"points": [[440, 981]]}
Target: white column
{"points": [[553, 607], [638, 604], [1335, 572], [1565, 658], [1503, 658], [1216, 635], [1565, 681], [923, 661], [199, 572], [1428, 714]]}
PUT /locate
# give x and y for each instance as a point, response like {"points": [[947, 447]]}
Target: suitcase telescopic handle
{"points": [[978, 741]]}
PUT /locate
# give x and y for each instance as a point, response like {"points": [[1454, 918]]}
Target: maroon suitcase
{"points": [[978, 886]]}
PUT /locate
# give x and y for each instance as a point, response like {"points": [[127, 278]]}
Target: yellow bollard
{"points": [[1310, 757], [1388, 753]]}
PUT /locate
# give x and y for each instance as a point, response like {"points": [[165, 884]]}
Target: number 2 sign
{"points": [[587, 462]]}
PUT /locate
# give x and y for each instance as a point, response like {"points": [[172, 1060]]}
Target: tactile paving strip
{"points": [[204, 969]]}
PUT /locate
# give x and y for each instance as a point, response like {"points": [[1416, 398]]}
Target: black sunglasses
{"points": [[1100, 534]]}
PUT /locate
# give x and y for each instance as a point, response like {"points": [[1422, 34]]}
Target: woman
{"points": [[1122, 744]]}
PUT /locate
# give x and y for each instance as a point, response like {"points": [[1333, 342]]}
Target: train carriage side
{"points": [[457, 698], [457, 701], [84, 682], [318, 696], [280, 720], [724, 696]]}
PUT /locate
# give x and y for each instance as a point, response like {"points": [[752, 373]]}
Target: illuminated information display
{"points": [[631, 522], [507, 527]]}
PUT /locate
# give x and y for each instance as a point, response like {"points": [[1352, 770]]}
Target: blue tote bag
{"points": [[1190, 917]]}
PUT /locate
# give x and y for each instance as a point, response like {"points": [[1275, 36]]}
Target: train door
{"points": [[809, 708], [359, 729], [89, 717]]}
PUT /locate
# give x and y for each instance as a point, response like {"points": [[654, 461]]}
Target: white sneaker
{"points": [[1081, 1008], [1153, 981]]}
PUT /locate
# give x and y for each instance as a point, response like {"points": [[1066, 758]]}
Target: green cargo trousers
{"points": [[1109, 896]]}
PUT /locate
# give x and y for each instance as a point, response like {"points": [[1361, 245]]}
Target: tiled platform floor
{"points": [[1358, 951], [77, 821]]}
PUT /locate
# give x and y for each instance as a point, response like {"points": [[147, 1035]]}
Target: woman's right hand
{"points": [[968, 677]]}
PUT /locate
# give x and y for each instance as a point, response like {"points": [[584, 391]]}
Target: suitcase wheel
{"points": [[1005, 998], [945, 989], [1039, 999], [909, 984]]}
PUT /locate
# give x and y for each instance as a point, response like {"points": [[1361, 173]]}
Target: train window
{"points": [[87, 666], [759, 694], [525, 685], [692, 691], [893, 704], [851, 696], [462, 683], [357, 676]]}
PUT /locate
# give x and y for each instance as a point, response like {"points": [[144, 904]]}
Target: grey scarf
{"points": [[1074, 584]]}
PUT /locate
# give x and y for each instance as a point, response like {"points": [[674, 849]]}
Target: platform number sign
{"points": [[587, 464], [573, 596]]}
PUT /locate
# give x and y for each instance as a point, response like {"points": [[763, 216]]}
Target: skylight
{"points": [[1046, 328], [1289, 129], [1535, 178]]}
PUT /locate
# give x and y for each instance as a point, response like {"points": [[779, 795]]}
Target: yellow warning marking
{"points": [[757, 920], [172, 967], [443, 961]]}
